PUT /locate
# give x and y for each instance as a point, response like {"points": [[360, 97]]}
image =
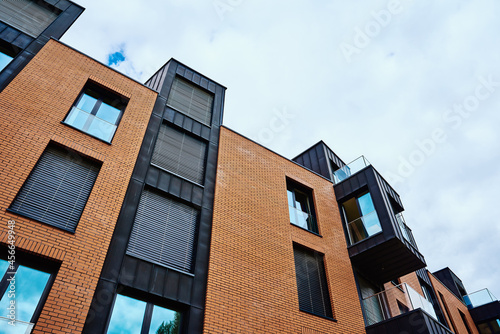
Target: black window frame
{"points": [[305, 297], [33, 262], [151, 302], [73, 155], [104, 93], [293, 187]]}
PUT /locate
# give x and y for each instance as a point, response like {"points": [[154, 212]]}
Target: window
{"points": [[466, 324], [31, 17], [23, 291], [164, 232], [191, 100], [5, 57], [180, 154], [57, 189], [312, 287], [490, 327], [97, 112], [361, 217], [402, 308], [448, 312], [300, 207], [135, 316]]}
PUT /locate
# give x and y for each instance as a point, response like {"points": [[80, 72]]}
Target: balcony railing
{"points": [[350, 169], [479, 298], [393, 302], [363, 227], [9, 326], [98, 127], [302, 219], [407, 234]]}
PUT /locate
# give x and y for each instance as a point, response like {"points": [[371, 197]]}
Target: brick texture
{"points": [[454, 305], [251, 282], [32, 108]]}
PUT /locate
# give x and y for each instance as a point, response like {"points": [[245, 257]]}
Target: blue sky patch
{"points": [[115, 58]]}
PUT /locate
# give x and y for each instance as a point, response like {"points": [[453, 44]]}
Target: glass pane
{"points": [[351, 210], [290, 197], [77, 118], [484, 329], [366, 204], [164, 321], [29, 286], [4, 60], [301, 202], [101, 129], [372, 223], [87, 102], [108, 113], [6, 327], [127, 315]]}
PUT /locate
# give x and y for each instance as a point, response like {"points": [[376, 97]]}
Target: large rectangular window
{"points": [[28, 16], [301, 206], [191, 100], [97, 112], [57, 189], [312, 286], [180, 154], [164, 232], [361, 217], [131, 315], [6, 57], [26, 288]]}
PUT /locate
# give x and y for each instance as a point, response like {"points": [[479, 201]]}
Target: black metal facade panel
{"points": [[424, 276], [486, 312], [451, 281], [315, 159], [413, 322], [57, 189], [164, 285]]}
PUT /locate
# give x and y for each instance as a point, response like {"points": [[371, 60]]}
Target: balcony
{"points": [[479, 298], [350, 169], [381, 245], [15, 326], [483, 306], [397, 309]]}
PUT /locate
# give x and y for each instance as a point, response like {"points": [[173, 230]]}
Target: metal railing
{"points": [[9, 326], [479, 298], [363, 227], [392, 302], [350, 169], [407, 233]]}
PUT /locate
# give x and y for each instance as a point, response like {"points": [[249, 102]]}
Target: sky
{"points": [[414, 86]]}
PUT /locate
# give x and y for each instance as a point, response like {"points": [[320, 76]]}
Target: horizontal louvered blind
{"points": [[27, 16], [164, 232], [57, 189], [311, 282], [180, 153], [191, 100]]}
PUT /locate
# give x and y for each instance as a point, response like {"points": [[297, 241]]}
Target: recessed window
{"points": [[164, 232], [97, 112], [361, 217], [312, 286], [57, 189], [191, 100], [130, 315], [6, 55], [301, 207], [26, 289]]}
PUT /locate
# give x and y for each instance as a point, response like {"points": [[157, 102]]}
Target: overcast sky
{"points": [[412, 85]]}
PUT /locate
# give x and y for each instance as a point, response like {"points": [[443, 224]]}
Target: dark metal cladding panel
{"points": [[63, 22], [9, 34], [152, 177], [422, 273], [99, 312], [195, 326], [142, 275], [486, 312], [413, 322], [171, 289], [164, 181], [22, 41], [185, 287], [144, 157], [158, 280], [129, 269]]}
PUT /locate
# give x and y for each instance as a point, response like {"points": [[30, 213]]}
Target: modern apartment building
{"points": [[129, 208]]}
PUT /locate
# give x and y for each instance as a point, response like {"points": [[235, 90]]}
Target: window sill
{"points": [[321, 316], [305, 229]]}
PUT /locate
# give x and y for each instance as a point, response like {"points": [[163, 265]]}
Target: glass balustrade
{"points": [[479, 298], [350, 169], [364, 227]]}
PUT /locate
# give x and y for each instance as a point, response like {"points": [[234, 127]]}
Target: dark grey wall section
{"points": [[179, 290], [486, 312], [319, 158], [451, 281], [413, 322], [26, 47]]}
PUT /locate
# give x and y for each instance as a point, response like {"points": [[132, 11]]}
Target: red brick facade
{"points": [[32, 108], [251, 283]]}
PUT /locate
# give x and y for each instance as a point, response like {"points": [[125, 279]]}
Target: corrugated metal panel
{"points": [[191, 100], [27, 16], [57, 189], [312, 287], [164, 232], [180, 153]]}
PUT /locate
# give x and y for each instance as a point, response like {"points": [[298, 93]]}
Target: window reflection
{"points": [[361, 217], [4, 60]]}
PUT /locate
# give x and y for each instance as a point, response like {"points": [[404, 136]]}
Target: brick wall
{"points": [[251, 281], [32, 108], [453, 305]]}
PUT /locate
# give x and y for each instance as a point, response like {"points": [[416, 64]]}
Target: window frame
{"points": [[148, 311], [293, 186], [103, 94], [33, 262]]}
